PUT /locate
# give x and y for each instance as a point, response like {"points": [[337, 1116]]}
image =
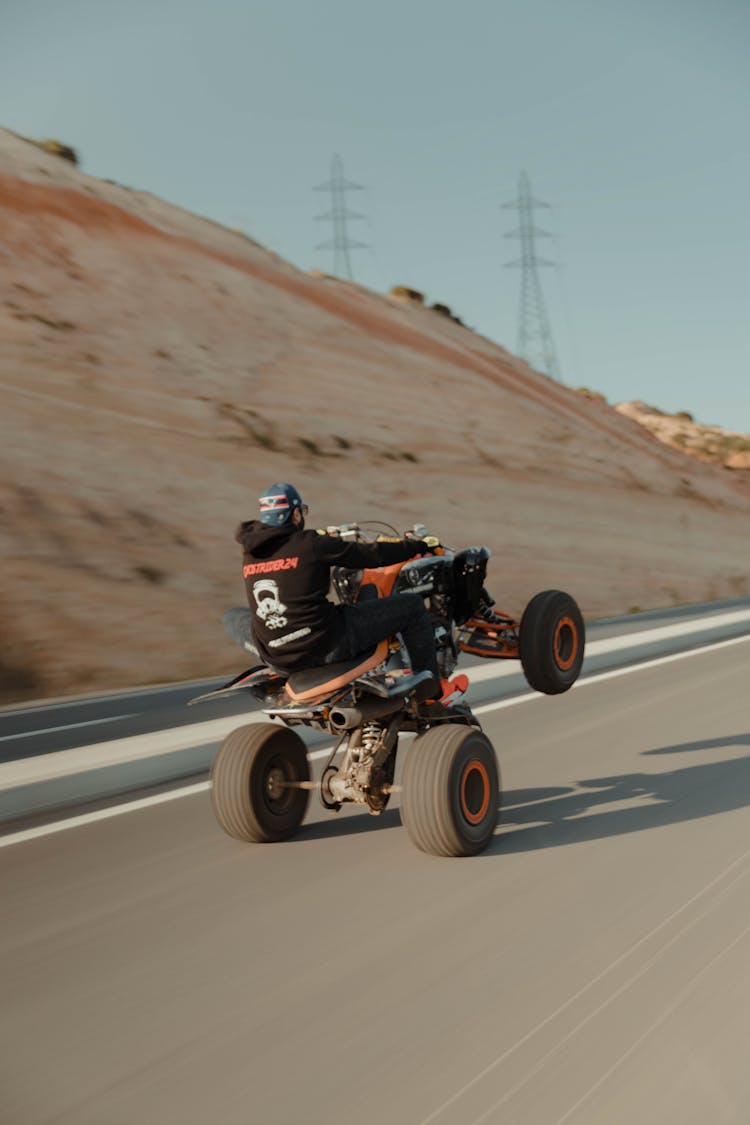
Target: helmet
{"points": [[277, 504]]}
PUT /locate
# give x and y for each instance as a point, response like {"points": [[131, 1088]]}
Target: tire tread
{"points": [[425, 803], [231, 774], [535, 641]]}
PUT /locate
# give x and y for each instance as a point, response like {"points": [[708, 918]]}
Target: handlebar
{"points": [[359, 533]]}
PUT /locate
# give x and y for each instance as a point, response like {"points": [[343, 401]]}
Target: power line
{"points": [[341, 244], [535, 343]]}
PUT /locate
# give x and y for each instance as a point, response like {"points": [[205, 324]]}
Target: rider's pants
{"points": [[369, 622]]}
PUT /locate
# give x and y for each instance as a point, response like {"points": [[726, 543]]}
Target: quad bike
{"points": [[450, 791]]}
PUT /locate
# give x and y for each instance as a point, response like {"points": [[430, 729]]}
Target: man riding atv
{"points": [[326, 671], [287, 577]]}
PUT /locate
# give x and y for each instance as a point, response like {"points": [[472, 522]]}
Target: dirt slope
{"points": [[157, 371]]}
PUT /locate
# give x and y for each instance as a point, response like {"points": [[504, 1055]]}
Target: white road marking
{"points": [[488, 670], [116, 751], [599, 677], [102, 814], [188, 791], [66, 726], [117, 810], [59, 702], [668, 632]]}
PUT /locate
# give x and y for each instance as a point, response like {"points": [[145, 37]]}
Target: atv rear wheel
{"points": [[551, 642], [451, 788], [251, 796]]}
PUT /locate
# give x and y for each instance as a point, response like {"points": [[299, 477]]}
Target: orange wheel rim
{"points": [[566, 635], [475, 767]]}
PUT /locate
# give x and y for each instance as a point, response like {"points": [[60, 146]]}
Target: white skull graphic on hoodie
{"points": [[270, 608]]}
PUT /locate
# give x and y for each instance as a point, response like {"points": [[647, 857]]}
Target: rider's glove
{"points": [[427, 542]]}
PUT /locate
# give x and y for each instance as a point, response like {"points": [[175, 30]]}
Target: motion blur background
{"points": [[171, 340]]}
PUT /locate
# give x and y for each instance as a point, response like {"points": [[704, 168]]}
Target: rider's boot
{"points": [[485, 612], [451, 689], [427, 689]]}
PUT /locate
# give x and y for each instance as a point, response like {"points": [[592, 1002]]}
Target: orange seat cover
{"points": [[321, 690]]}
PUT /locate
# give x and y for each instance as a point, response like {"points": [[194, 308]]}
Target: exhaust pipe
{"points": [[347, 718]]}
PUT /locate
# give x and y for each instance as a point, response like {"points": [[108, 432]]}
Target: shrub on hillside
{"points": [[57, 148], [588, 393], [407, 294]]}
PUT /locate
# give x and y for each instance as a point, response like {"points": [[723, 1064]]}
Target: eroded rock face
{"points": [[157, 371], [680, 431]]}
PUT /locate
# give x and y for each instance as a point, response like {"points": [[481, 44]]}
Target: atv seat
{"points": [[314, 683]]}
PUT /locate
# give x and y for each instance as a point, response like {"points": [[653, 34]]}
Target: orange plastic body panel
{"points": [[383, 578]]}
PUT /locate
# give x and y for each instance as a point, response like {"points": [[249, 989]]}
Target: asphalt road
{"points": [[591, 967]]}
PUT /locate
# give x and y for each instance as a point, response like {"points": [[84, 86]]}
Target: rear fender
{"points": [[260, 681]]}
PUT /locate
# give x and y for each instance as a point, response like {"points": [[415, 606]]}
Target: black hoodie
{"points": [[287, 573]]}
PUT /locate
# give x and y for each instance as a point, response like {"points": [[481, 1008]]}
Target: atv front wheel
{"points": [[251, 795], [451, 789], [551, 642]]}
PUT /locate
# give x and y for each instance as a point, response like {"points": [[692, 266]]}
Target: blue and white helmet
{"points": [[277, 504]]}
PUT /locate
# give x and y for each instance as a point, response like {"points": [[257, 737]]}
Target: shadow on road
{"points": [[548, 817], [703, 744], [544, 818], [359, 821]]}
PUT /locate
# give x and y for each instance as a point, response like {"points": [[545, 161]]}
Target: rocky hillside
{"points": [[711, 444], [157, 371]]}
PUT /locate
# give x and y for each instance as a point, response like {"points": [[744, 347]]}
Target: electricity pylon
{"points": [[341, 244], [535, 343]]}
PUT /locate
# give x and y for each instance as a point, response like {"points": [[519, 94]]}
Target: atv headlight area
{"points": [[430, 575]]}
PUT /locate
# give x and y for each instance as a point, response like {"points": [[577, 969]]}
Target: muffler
{"points": [[348, 718], [344, 718]]}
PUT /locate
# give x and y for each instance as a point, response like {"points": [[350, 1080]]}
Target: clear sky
{"points": [[631, 118]]}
